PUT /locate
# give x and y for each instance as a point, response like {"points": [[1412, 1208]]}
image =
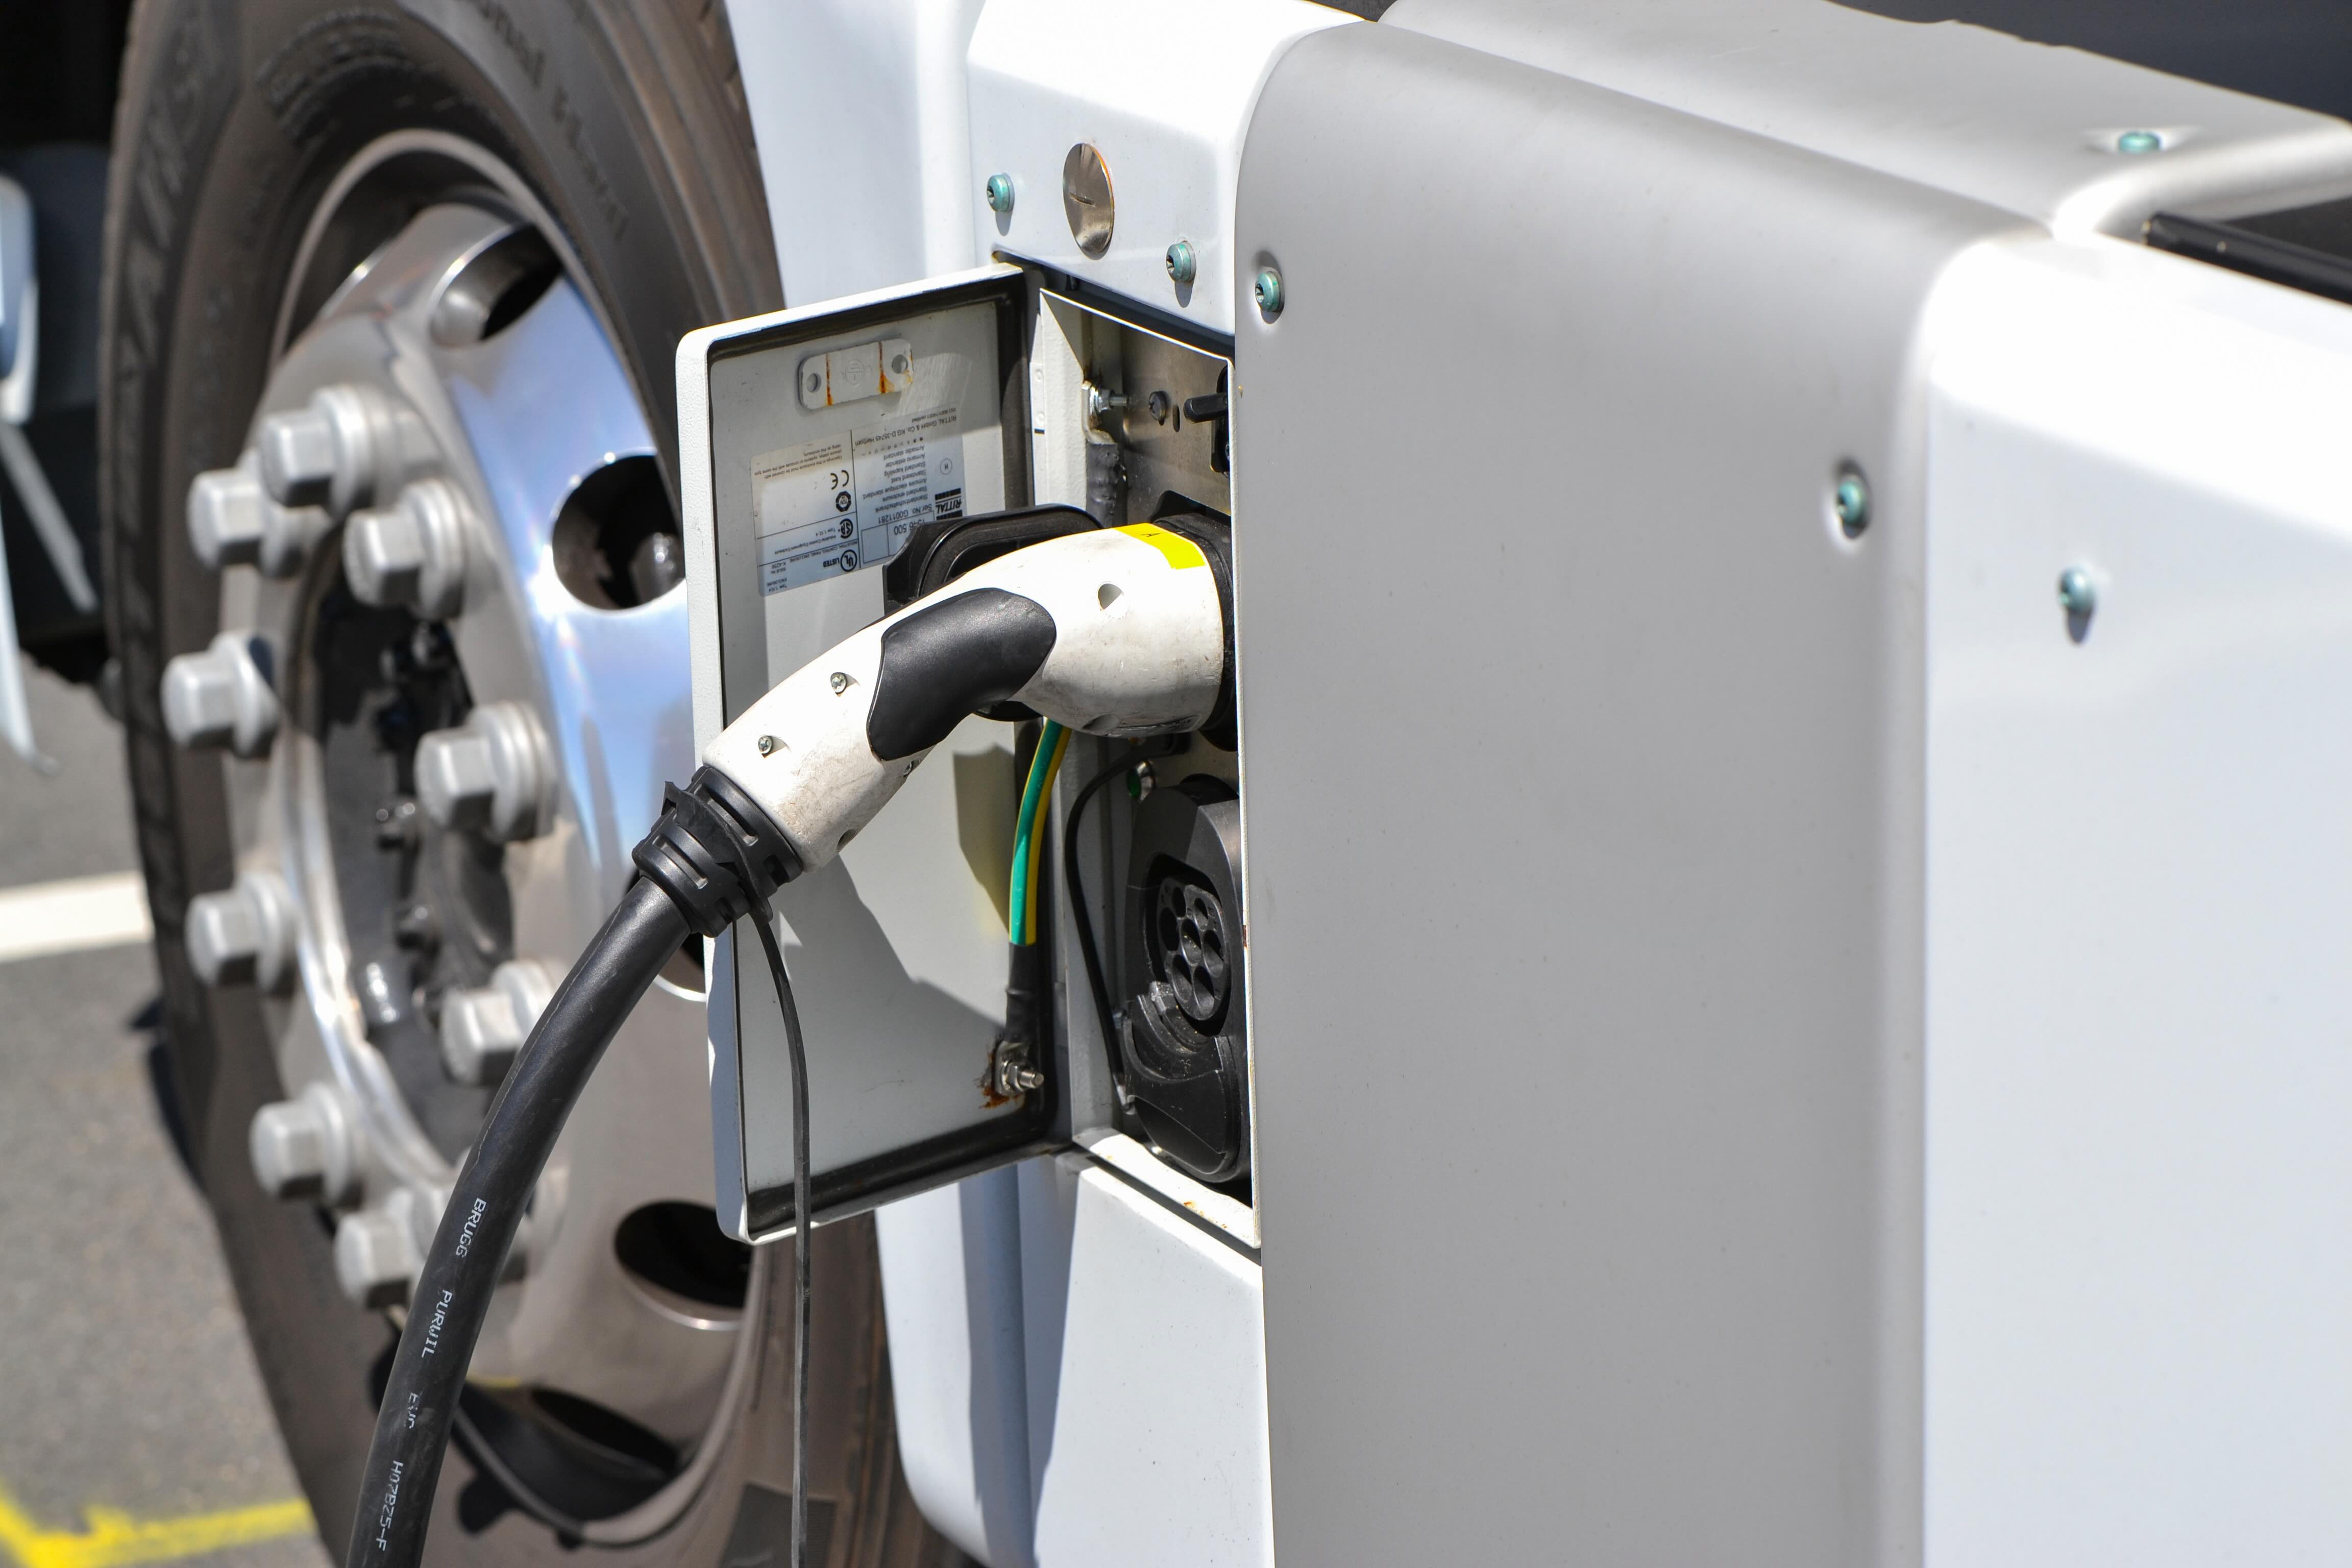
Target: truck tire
{"points": [[623, 126]]}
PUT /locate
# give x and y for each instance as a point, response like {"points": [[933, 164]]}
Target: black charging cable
{"points": [[713, 859], [764, 922]]}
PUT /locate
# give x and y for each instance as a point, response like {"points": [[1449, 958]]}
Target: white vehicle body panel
{"points": [[858, 110], [1165, 101], [2137, 1182]]}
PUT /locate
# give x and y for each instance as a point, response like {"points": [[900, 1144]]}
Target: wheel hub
{"points": [[443, 739]]}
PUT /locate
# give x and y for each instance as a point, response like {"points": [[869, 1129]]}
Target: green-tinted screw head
{"points": [[2134, 142], [2077, 594], [1851, 501], [1182, 266], [1269, 292], [1000, 195]]}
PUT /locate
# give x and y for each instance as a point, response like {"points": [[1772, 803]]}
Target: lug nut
{"points": [[482, 1030], [376, 1256], [388, 1253], [411, 553], [492, 776], [349, 446], [232, 522], [221, 697], [419, 1209], [306, 1147], [244, 935]]}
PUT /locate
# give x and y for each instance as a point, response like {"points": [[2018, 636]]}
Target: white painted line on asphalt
{"points": [[73, 916]]}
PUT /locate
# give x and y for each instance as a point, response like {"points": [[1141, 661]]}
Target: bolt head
{"points": [[767, 745], [2133, 143], [411, 553], [480, 1035], [221, 697], [1267, 291], [840, 683], [227, 515], [302, 1148], [288, 1146], [2077, 593], [199, 700], [224, 937], [244, 935], [299, 456], [1182, 265], [489, 776], [376, 1257], [457, 779], [1000, 195], [384, 557]]}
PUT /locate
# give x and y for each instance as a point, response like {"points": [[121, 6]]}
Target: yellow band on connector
{"points": [[1181, 552]]}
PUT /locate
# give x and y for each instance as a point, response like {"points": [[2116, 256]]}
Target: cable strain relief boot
{"points": [[710, 836]]}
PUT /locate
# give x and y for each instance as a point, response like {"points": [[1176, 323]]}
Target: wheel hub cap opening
{"points": [[616, 540]]}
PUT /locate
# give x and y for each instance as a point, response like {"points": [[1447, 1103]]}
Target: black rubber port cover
{"points": [[937, 553]]}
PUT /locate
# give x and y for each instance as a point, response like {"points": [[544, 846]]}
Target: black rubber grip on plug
{"points": [[946, 660]]}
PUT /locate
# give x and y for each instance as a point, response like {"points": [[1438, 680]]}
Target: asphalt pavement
{"points": [[133, 1427]]}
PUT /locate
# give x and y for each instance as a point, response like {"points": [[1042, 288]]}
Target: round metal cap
{"points": [[1086, 199]]}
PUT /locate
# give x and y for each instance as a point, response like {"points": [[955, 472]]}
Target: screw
{"points": [[1157, 406], [1852, 502], [1268, 291], [2078, 596], [1140, 781], [1000, 195], [1182, 265], [2133, 142], [767, 745], [840, 683]]}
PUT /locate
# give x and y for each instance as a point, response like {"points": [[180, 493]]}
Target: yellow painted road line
{"points": [[115, 1539], [72, 916]]}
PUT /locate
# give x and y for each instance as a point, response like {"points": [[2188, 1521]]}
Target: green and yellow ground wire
{"points": [[1051, 741]]}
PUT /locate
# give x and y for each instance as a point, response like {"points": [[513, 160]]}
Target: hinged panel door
{"points": [[832, 432]]}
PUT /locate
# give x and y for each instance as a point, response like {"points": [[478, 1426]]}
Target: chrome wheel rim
{"points": [[520, 421]]}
